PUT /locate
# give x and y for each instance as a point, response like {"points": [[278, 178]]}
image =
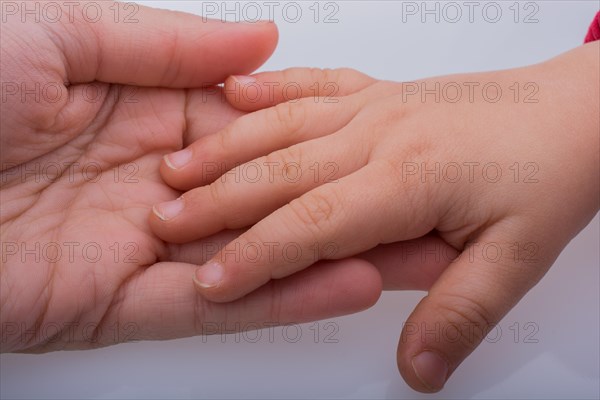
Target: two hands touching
{"points": [[80, 173], [80, 265], [491, 178], [357, 186]]}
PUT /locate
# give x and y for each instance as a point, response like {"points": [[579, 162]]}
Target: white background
{"points": [[371, 36]]}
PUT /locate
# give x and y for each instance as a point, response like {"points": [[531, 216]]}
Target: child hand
{"points": [[505, 171]]}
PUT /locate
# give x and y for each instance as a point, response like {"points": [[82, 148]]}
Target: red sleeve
{"points": [[594, 31]]}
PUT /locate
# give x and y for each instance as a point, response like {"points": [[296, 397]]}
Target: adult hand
{"points": [[88, 111]]}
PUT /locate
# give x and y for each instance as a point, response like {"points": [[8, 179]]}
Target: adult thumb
{"points": [[136, 45]]}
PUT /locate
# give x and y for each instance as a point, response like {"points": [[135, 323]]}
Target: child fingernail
{"points": [[169, 209], [244, 80], [178, 159], [209, 275], [431, 370]]}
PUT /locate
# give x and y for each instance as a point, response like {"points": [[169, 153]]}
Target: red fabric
{"points": [[594, 32]]}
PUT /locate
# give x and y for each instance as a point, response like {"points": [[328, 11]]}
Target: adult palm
{"points": [[88, 110]]}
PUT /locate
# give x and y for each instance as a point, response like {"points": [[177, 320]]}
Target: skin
{"points": [[109, 148], [375, 134]]}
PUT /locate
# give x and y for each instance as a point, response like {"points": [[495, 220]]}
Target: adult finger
{"points": [[161, 303], [136, 45], [206, 113], [411, 264]]}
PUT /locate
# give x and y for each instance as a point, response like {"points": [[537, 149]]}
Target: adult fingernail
{"points": [[209, 275], [178, 159], [431, 369], [169, 209]]}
